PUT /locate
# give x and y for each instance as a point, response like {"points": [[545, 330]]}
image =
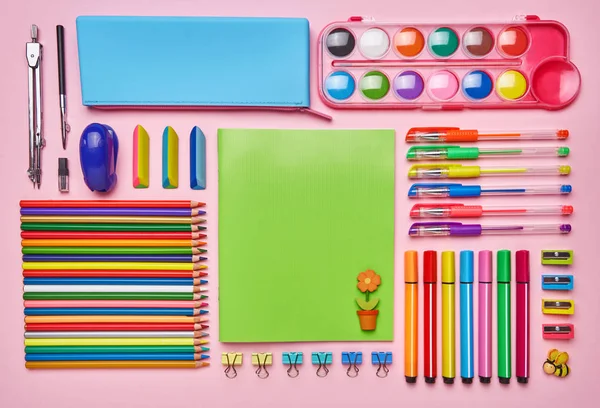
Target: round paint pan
{"points": [[478, 42], [513, 42], [555, 82], [340, 42]]}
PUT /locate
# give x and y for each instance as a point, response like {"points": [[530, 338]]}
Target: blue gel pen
{"points": [[432, 190], [467, 366]]}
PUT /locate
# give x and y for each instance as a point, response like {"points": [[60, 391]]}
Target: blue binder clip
{"points": [[322, 359], [557, 282], [382, 359], [292, 359], [353, 360]]}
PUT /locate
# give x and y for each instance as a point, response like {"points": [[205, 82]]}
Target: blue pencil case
{"points": [[195, 62]]}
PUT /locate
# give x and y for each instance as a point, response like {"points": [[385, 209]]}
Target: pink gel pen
{"points": [[485, 317], [475, 211]]}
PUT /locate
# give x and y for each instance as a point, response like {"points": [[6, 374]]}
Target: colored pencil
{"points": [[112, 296], [115, 326], [170, 266], [114, 288], [116, 357], [121, 235], [111, 334], [136, 341], [81, 219], [113, 349], [110, 203], [114, 364], [84, 250], [112, 311], [43, 226], [100, 211], [111, 274], [114, 258], [115, 319], [176, 304], [114, 281], [150, 243]]}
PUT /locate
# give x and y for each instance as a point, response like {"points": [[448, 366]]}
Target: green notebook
{"points": [[301, 214]]}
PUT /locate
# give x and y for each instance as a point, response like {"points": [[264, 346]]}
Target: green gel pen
{"points": [[446, 152], [504, 315]]}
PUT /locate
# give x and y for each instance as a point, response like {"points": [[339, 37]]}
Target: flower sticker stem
{"points": [[368, 281]]}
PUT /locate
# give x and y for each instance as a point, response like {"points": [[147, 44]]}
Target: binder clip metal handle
{"points": [[322, 371], [382, 368], [293, 359], [230, 371], [262, 360], [352, 359]]}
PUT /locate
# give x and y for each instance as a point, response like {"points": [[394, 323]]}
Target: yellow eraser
{"points": [[141, 157]]}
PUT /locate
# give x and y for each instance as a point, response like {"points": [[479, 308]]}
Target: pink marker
{"points": [[522, 275], [485, 317]]}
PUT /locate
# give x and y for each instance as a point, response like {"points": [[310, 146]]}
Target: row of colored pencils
{"points": [[114, 284]]}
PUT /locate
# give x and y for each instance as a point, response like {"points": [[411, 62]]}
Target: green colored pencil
{"points": [[111, 296], [114, 349], [113, 250], [41, 226]]}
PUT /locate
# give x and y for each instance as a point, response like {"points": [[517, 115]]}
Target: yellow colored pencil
{"points": [[111, 243], [115, 319], [112, 266], [110, 219], [115, 364], [108, 341]]}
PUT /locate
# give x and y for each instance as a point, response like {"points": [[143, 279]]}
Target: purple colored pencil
{"points": [[113, 258], [158, 212]]}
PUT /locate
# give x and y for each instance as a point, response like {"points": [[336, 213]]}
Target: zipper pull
{"points": [[358, 19], [316, 113], [526, 17]]}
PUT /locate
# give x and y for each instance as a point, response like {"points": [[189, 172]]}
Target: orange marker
{"points": [[411, 316]]}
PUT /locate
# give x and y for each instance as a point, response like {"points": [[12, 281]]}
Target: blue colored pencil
{"points": [[114, 281], [113, 311], [113, 258], [114, 356]]}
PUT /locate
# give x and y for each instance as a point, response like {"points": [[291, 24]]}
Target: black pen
{"points": [[62, 90]]}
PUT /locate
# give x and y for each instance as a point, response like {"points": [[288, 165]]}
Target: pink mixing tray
{"points": [[521, 64]]}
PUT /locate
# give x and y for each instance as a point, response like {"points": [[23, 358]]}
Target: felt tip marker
{"points": [[485, 317], [430, 315], [448, 318], [411, 315], [504, 317], [467, 365], [523, 322]]}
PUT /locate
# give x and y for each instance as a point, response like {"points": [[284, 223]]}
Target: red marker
{"points": [[522, 275], [430, 315]]}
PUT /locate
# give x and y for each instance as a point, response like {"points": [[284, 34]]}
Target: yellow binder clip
{"points": [[230, 360], [262, 360]]}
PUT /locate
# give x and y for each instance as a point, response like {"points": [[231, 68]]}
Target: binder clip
{"points": [[231, 360], [322, 359], [262, 360], [382, 359], [558, 307], [557, 282], [292, 359], [352, 360], [557, 257], [558, 331]]}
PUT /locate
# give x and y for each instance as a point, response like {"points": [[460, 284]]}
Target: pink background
{"points": [[207, 387]]}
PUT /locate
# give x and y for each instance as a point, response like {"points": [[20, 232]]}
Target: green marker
{"points": [[504, 314], [445, 152]]}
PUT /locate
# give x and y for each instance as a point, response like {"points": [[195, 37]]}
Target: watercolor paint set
{"points": [[525, 63]]}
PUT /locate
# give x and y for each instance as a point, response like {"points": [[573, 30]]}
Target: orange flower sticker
{"points": [[368, 281]]}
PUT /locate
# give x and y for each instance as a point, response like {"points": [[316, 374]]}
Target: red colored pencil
{"points": [[110, 203], [115, 326], [41, 273], [109, 235]]}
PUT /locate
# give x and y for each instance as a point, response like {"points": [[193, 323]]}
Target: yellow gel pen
{"points": [[435, 171], [448, 321]]}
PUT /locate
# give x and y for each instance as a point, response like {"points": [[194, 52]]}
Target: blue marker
{"points": [[467, 369], [442, 190]]}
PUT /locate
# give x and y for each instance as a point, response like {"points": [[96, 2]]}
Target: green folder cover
{"points": [[301, 214]]}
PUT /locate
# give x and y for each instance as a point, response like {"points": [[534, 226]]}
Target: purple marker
{"points": [[409, 85], [485, 317], [444, 229]]}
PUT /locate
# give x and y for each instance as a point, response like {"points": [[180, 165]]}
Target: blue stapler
{"points": [[98, 150]]}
